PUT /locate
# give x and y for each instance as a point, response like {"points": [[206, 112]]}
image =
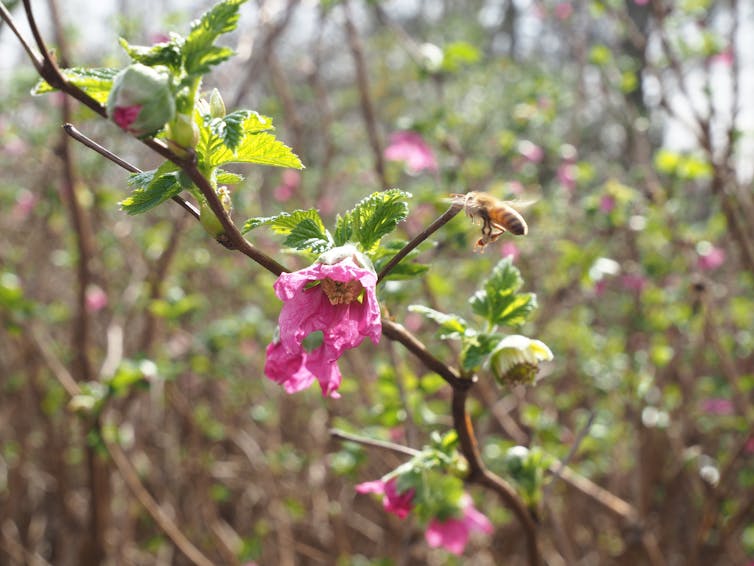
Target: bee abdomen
{"points": [[514, 223]]}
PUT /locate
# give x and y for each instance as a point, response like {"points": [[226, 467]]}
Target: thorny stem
{"points": [[454, 209]]}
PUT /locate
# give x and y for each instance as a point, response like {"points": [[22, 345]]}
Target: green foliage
{"points": [[371, 219], [152, 188], [451, 326], [200, 53], [476, 349], [499, 302], [168, 54], [96, 82], [406, 269], [304, 229]]}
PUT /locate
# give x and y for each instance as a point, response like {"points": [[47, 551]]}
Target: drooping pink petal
{"points": [[124, 116], [399, 504], [453, 534]]}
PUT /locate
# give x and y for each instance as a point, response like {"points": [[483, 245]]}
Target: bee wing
{"points": [[521, 204]]}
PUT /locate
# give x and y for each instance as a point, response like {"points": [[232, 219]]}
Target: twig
{"points": [[72, 131], [373, 442], [362, 83], [34, 56], [560, 466], [443, 219]]}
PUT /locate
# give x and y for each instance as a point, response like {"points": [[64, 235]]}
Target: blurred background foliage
{"points": [[625, 120]]}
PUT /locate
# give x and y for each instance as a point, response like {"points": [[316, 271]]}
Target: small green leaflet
{"points": [[451, 326], [227, 178], [95, 82], [230, 128], [374, 217], [262, 148], [406, 269], [499, 301], [152, 188], [476, 348], [304, 229], [167, 53], [199, 52]]}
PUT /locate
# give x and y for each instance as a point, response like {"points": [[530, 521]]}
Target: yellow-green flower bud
{"points": [[183, 132], [216, 104], [516, 359], [141, 101]]}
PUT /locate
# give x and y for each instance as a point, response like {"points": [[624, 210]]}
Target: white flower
{"points": [[516, 359]]}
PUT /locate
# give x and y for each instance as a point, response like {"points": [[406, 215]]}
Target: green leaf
{"points": [[199, 52], [152, 188], [406, 269], [96, 82], [227, 178], [499, 302], [308, 235], [451, 326], [167, 53], [262, 148], [374, 217], [476, 348], [230, 128], [285, 222]]}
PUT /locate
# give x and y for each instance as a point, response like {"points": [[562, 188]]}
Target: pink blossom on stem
{"points": [[290, 181], [711, 260], [411, 148], [453, 534], [335, 298], [717, 406], [563, 10], [531, 151], [399, 504]]}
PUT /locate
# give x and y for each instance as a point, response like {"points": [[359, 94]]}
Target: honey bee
{"points": [[496, 216]]}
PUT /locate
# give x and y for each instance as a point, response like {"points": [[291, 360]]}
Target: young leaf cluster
{"points": [[365, 225], [498, 302]]}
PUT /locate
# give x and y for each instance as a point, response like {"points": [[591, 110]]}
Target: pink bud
{"points": [[125, 116], [96, 298]]}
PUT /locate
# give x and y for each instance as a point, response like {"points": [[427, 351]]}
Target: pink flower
{"points": [[96, 298], [567, 175], [453, 534], [290, 182], [641, 2], [25, 203], [124, 116], [334, 296], [749, 446], [633, 282], [717, 406], [725, 57], [411, 148], [607, 204], [531, 151], [711, 260], [563, 10], [509, 249], [399, 504]]}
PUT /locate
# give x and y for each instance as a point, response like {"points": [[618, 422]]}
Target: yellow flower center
{"points": [[341, 292]]}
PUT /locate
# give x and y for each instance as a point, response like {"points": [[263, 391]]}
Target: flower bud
{"points": [[336, 255], [141, 101], [216, 104], [516, 359], [207, 218], [182, 132]]}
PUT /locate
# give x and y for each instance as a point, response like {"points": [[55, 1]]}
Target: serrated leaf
{"points": [[285, 222], [372, 218], [308, 235], [406, 269], [199, 52], [476, 349], [499, 302], [227, 178], [152, 188], [167, 53], [262, 148], [230, 128], [451, 326], [96, 82]]}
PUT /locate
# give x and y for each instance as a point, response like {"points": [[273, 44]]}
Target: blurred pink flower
{"points": [[411, 148], [96, 298], [600, 287], [399, 504], [335, 298], [725, 57], [633, 282], [509, 249], [159, 37], [25, 203], [607, 204], [567, 175], [413, 321], [641, 2], [717, 406], [531, 151], [290, 181], [563, 10], [749, 447], [713, 259], [453, 534], [15, 147]]}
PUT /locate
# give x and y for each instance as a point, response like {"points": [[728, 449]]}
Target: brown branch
{"points": [[362, 83], [443, 219]]}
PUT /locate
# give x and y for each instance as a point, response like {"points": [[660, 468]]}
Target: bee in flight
{"points": [[496, 216]]}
